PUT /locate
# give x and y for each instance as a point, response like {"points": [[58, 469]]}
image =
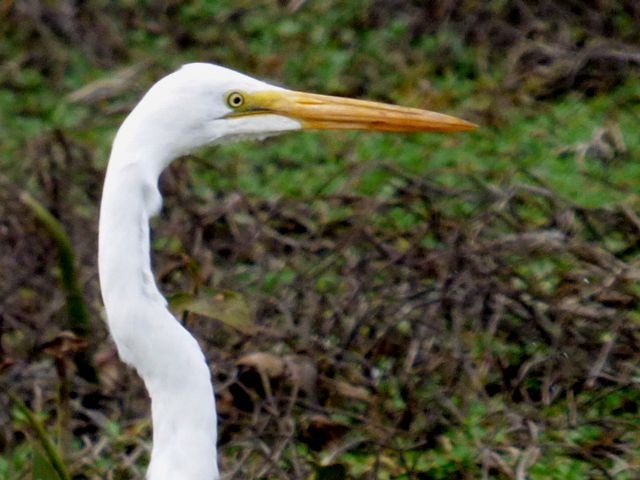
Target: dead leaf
{"points": [[64, 344], [267, 364], [302, 372], [320, 431], [345, 389]]}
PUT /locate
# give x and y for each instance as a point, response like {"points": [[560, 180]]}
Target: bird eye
{"points": [[235, 100]]}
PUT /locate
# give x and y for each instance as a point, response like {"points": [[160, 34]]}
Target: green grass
{"points": [[528, 144], [528, 139], [519, 141]]}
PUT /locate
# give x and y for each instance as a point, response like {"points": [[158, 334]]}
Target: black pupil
{"points": [[236, 100]]}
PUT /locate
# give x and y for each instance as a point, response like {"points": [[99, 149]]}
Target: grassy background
{"points": [[429, 306]]}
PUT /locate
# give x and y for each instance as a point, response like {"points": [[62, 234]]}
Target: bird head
{"points": [[203, 104]]}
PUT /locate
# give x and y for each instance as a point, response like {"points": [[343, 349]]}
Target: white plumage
{"points": [[197, 105]]}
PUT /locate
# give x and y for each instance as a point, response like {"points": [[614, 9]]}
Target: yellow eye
{"points": [[235, 100]]}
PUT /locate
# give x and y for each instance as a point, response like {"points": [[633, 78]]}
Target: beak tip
{"points": [[469, 126], [461, 125]]}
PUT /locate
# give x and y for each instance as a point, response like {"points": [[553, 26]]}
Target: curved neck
{"points": [[148, 337]]}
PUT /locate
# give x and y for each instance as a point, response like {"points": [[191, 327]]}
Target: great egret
{"points": [[200, 104]]}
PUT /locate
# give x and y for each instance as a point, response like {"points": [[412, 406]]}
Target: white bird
{"points": [[200, 104]]}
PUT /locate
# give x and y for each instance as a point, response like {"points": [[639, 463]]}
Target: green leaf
{"points": [[43, 438], [226, 306], [42, 468]]}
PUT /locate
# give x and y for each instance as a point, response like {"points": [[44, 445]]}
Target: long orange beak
{"points": [[322, 112]]}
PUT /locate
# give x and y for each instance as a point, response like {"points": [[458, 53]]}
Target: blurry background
{"points": [[373, 306]]}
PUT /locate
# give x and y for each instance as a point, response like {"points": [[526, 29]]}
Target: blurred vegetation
{"points": [[373, 306]]}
